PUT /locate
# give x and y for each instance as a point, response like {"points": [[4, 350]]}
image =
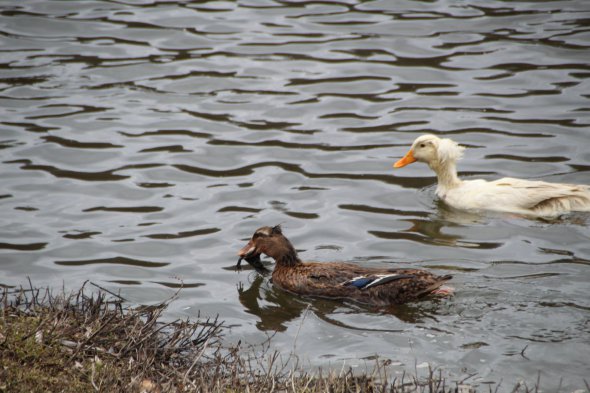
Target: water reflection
{"points": [[428, 232], [273, 307]]}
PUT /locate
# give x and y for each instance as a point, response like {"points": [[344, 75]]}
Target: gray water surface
{"points": [[142, 143]]}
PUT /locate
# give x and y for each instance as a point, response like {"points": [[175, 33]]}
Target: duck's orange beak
{"points": [[406, 160]]}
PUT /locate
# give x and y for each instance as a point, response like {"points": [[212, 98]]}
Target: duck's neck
{"points": [[289, 260], [287, 257], [446, 172]]}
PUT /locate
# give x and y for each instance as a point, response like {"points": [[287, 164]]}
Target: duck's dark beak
{"points": [[407, 159]]}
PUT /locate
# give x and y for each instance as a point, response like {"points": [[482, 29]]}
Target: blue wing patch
{"points": [[359, 282], [365, 282]]}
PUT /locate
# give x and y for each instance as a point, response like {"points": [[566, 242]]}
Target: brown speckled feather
{"points": [[332, 279], [325, 280]]}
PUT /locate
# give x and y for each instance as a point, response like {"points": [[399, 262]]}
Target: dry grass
{"points": [[81, 342], [84, 342]]}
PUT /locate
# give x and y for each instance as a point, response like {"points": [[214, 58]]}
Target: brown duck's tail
{"points": [[438, 288], [444, 290]]}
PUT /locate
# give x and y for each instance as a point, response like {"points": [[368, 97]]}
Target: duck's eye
{"points": [[422, 144]]}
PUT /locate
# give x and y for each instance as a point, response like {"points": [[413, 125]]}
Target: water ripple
{"points": [[113, 261], [180, 235], [23, 247]]}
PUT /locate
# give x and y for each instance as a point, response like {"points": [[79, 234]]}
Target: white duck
{"points": [[527, 197]]}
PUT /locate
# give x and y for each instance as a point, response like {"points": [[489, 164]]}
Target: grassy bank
{"points": [[88, 341]]}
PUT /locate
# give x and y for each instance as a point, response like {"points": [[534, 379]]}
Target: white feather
{"points": [[449, 151]]}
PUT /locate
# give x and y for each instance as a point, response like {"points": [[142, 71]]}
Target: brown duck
{"points": [[380, 287]]}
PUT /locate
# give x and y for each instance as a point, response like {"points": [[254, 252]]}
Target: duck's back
{"points": [[519, 196], [348, 281]]}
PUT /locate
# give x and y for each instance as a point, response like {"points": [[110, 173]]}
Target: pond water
{"points": [[143, 142]]}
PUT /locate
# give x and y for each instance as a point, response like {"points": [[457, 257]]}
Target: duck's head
{"points": [[269, 241], [431, 150]]}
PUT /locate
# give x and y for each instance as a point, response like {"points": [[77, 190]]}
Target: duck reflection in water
{"points": [[274, 308]]}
